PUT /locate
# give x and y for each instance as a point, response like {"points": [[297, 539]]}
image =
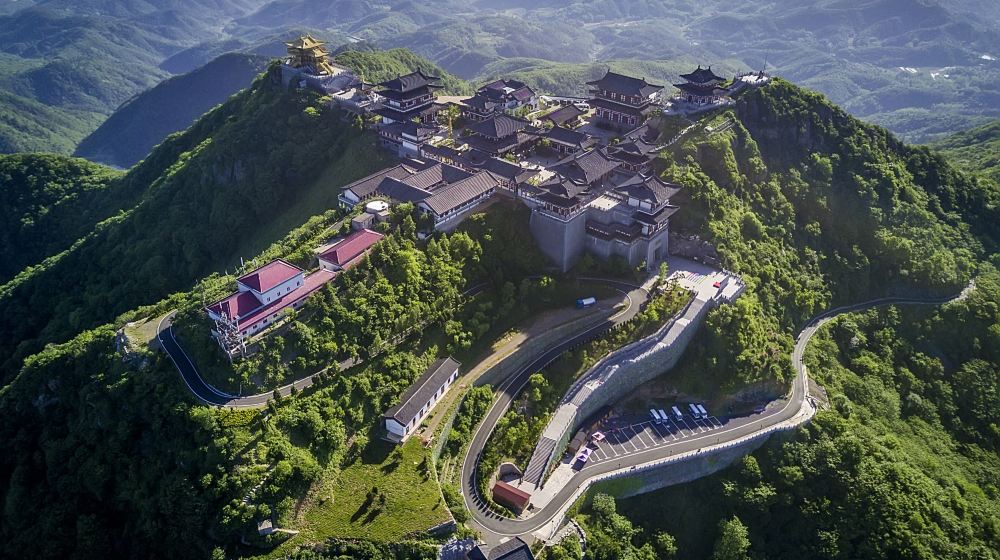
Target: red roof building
{"points": [[268, 314], [269, 276], [348, 251], [510, 496], [236, 305], [262, 297]]}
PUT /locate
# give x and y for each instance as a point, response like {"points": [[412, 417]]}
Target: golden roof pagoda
{"points": [[308, 52]]}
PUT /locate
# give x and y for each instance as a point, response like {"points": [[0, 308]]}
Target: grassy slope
{"points": [[413, 498], [71, 64], [976, 150]]}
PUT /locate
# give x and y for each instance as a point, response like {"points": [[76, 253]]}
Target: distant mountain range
{"points": [[145, 120], [922, 68]]}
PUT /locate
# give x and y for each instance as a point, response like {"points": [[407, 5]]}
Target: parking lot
{"points": [[640, 436]]}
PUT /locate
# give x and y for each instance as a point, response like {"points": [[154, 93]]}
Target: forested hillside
{"points": [[218, 191], [976, 150], [904, 465], [816, 209], [104, 457], [65, 66], [144, 121], [51, 201]]}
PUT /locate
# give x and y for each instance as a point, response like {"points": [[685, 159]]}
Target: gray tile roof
{"points": [[702, 75], [456, 194], [508, 170], [564, 115], [561, 191], [650, 189], [657, 217], [367, 185], [626, 85], [401, 191], [586, 167], [436, 174], [412, 81], [416, 395], [567, 136], [499, 126], [514, 549]]}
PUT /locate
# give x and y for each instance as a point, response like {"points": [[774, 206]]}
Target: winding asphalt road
{"points": [[208, 394], [736, 428]]}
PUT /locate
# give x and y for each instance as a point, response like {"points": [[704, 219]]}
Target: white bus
{"points": [[677, 412], [695, 413], [663, 416], [655, 415], [704, 413]]}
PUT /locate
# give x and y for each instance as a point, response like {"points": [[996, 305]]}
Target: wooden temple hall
{"points": [[702, 87], [410, 98]]}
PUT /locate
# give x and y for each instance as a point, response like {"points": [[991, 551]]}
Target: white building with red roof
{"points": [[261, 298]]}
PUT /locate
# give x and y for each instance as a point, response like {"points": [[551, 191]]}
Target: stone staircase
{"points": [[539, 461]]}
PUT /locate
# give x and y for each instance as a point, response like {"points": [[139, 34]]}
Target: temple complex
{"points": [[623, 100], [602, 196]]}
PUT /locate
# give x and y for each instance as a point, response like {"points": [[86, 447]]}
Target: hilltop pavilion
{"points": [[309, 53]]}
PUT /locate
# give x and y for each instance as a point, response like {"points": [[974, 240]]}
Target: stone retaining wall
{"points": [[621, 372], [681, 472]]}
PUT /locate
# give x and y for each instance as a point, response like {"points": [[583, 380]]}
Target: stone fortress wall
{"points": [[560, 241]]}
